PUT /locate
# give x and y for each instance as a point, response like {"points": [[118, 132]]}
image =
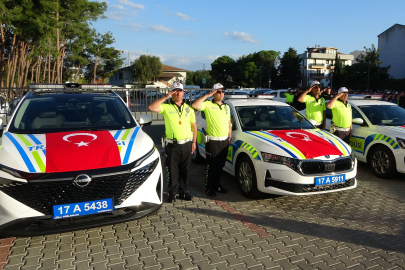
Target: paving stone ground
{"points": [[362, 228]]}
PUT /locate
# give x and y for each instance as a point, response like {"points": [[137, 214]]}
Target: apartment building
{"points": [[392, 45], [318, 63]]}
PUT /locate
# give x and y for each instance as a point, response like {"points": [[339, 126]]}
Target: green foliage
{"points": [[195, 78], [371, 57], [289, 69], [339, 73], [223, 70], [146, 68]]}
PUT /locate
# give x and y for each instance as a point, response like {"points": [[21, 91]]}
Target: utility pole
{"points": [[368, 75]]}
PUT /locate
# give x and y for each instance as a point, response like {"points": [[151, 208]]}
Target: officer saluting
{"points": [[180, 139], [341, 115], [219, 131], [315, 105]]}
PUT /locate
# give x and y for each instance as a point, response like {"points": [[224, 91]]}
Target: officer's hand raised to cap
{"points": [[212, 93], [169, 94]]}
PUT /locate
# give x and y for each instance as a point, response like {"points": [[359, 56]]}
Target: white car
{"points": [[274, 149], [378, 134], [73, 159], [279, 95]]}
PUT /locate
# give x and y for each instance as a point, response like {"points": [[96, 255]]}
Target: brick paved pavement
{"points": [[359, 229]]}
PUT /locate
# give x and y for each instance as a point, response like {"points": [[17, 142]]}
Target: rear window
{"points": [[68, 112]]}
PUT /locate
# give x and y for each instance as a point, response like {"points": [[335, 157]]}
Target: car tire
{"points": [[246, 176], [382, 162], [196, 157]]}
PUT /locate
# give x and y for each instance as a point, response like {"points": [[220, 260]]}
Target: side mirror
{"points": [[145, 120], [1, 127], [358, 121]]}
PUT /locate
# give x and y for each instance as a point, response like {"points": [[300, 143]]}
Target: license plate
{"points": [[329, 180], [82, 208]]}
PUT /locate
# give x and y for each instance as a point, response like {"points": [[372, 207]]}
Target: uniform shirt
{"points": [[218, 117], [342, 114], [173, 114], [289, 98], [314, 107]]}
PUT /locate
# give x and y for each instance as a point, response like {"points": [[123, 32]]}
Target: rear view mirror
{"points": [[358, 121], [145, 120]]}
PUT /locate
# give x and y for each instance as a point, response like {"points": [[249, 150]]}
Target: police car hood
{"points": [[299, 144], [393, 131], [74, 150]]}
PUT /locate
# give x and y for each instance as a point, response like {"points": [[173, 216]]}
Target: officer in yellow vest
{"points": [[289, 97], [315, 105], [180, 139], [341, 115], [219, 130]]}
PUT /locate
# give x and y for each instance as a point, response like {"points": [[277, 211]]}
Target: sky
{"points": [[188, 34]]}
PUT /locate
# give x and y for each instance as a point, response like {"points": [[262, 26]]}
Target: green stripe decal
{"points": [[39, 161], [24, 140], [124, 137], [394, 145], [119, 148]]}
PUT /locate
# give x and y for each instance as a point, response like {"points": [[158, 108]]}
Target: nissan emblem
{"points": [[82, 180]]}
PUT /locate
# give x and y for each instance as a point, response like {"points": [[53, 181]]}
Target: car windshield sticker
{"points": [[74, 151], [310, 145]]}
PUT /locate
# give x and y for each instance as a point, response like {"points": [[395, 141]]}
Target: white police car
{"points": [[274, 149], [378, 134], [73, 158]]}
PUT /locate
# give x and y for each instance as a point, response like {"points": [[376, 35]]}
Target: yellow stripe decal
{"points": [[39, 161], [124, 137], [24, 140]]}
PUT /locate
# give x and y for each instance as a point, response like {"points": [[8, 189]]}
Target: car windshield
{"points": [[68, 112], [271, 117], [388, 115]]}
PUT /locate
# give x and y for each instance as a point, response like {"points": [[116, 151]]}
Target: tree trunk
{"points": [[45, 65], [14, 68], [2, 55], [49, 67], [21, 64], [38, 74], [26, 73], [9, 60], [77, 73], [58, 47], [95, 69], [54, 77]]}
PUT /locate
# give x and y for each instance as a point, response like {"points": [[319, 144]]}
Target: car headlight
{"points": [[401, 142], [290, 162], [352, 156], [144, 157]]}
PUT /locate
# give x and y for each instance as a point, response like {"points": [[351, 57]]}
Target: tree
{"points": [[223, 70], [147, 68], [104, 55], [250, 74], [338, 73], [289, 69], [195, 78]]}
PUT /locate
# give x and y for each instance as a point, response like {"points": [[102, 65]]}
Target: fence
{"points": [[137, 99]]}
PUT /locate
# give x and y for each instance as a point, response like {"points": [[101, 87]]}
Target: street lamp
{"points": [[260, 82]]}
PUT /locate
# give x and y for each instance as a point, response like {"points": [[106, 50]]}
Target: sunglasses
{"points": [[220, 92], [180, 90]]}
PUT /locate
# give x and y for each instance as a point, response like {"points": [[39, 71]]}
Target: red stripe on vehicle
{"points": [[308, 144], [81, 150]]}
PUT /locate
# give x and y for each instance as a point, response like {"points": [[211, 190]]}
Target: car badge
{"points": [[82, 180], [187, 110], [327, 156]]}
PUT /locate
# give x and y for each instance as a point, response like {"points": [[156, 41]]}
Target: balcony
{"points": [[318, 75], [317, 65]]}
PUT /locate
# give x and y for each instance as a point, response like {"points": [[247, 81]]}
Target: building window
{"points": [[327, 62], [120, 76]]}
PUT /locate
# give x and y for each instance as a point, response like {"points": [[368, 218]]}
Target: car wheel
{"points": [[247, 178], [382, 162], [196, 157]]}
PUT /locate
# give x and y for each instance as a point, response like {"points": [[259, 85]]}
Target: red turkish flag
{"points": [[308, 144], [81, 150]]}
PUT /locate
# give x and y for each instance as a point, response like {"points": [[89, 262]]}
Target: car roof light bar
{"points": [[249, 96], [69, 88], [365, 97]]}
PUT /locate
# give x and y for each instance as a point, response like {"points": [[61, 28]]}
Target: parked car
{"points": [[73, 159], [378, 134], [279, 95], [274, 149], [261, 91]]}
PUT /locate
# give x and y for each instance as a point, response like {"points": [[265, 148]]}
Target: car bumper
{"points": [[281, 180], [22, 217], [400, 160]]}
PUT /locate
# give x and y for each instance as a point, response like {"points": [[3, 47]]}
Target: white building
{"points": [[356, 54], [392, 45], [318, 63]]}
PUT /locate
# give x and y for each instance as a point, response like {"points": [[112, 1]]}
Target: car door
{"points": [[229, 159], [201, 122], [360, 133]]}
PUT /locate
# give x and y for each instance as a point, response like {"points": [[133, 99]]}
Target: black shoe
{"points": [[221, 189], [172, 198], [211, 193], [185, 196]]}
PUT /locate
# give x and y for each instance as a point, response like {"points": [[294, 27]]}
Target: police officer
{"points": [[219, 132], [315, 105], [341, 115], [326, 94], [179, 141], [289, 97]]}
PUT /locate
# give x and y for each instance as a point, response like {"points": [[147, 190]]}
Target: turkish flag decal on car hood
{"points": [[82, 150], [310, 145]]}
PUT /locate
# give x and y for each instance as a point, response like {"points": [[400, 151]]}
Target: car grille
{"points": [[325, 167], [301, 188], [41, 196]]}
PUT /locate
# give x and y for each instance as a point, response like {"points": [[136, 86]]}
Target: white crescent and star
{"points": [[306, 137], [66, 138]]}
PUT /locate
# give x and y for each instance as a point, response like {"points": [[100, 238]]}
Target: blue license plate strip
{"points": [[82, 208], [330, 180]]}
